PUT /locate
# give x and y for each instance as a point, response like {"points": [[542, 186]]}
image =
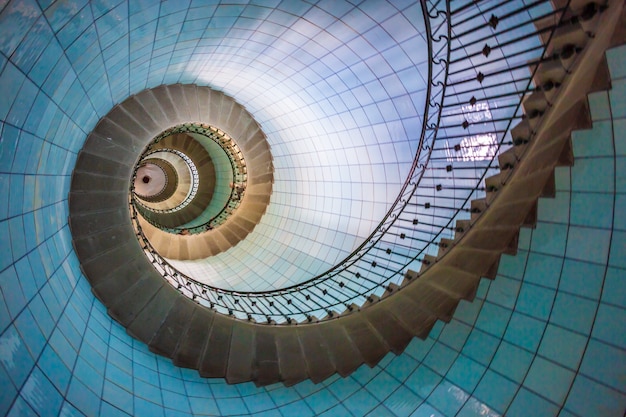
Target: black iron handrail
{"points": [[463, 132], [193, 190], [238, 171]]}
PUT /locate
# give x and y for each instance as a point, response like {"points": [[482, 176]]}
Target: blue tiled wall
{"points": [[545, 338]]}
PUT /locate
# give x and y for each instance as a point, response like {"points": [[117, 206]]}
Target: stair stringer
{"points": [[388, 321]]}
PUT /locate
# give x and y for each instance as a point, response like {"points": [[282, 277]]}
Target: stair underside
{"points": [[220, 346]]}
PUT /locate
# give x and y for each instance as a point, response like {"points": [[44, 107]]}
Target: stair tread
{"points": [[215, 358], [193, 341], [316, 353], [167, 337], [149, 319]]}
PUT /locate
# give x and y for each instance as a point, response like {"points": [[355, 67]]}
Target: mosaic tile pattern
{"points": [[541, 339]]}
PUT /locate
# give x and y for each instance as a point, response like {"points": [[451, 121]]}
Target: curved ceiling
{"points": [[539, 340], [338, 90]]}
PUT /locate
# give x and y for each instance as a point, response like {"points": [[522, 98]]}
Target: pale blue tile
{"points": [[574, 313], [423, 381], [454, 334], [59, 14], [524, 331], [543, 270], [588, 244], [363, 374], [448, 398], [615, 58], [597, 141], [107, 409], [620, 174], [54, 368], [68, 410], [319, 402], [360, 403], [20, 408], [42, 396], [440, 358], [614, 290], [619, 140], [549, 379], [117, 396], [599, 106], [88, 375], [298, 408], [146, 390], [481, 347], [22, 104], [554, 209], [426, 410], [13, 294], [582, 278], [513, 266], [608, 319], [342, 388], [262, 402], [179, 402], [31, 335], [15, 20], [562, 346], [529, 403], [549, 239], [592, 209], [496, 391], [613, 403], [512, 361], [618, 249], [8, 392], [617, 94], [382, 386], [593, 175], [401, 367], [562, 178], [148, 408], [197, 388], [465, 373], [476, 408], [493, 319], [402, 402], [604, 363], [535, 301]]}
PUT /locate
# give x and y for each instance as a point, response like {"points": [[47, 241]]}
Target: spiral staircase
{"points": [[128, 276]]}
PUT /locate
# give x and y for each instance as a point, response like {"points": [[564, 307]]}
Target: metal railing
{"points": [[193, 188], [238, 170], [482, 59]]}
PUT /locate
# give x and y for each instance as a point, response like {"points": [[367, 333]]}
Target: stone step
{"points": [[241, 353], [266, 369], [141, 115], [83, 225], [140, 289], [389, 327], [194, 340], [411, 315], [89, 163], [215, 357], [344, 354], [93, 245], [149, 319], [291, 360], [433, 300], [367, 340], [316, 353]]}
